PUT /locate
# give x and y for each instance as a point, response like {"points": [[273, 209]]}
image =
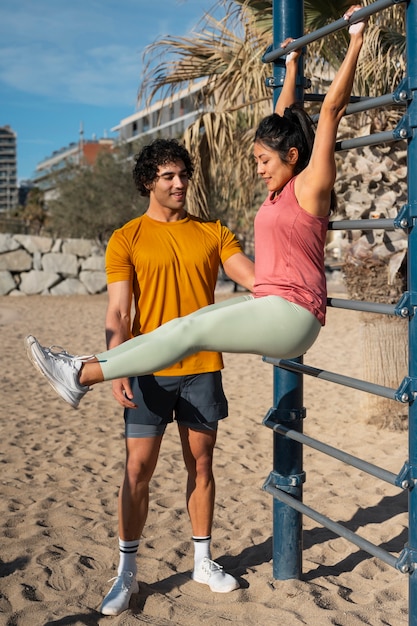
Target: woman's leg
{"points": [[92, 371], [142, 339], [268, 326]]}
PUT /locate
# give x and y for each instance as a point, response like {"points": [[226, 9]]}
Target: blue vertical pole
{"points": [[411, 42], [288, 21], [287, 475]]}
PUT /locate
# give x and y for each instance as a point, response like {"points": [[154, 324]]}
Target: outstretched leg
{"points": [[269, 326]]}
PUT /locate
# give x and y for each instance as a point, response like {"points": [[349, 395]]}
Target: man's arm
{"points": [[118, 325], [241, 270]]}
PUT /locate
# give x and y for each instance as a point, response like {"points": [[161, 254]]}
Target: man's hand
{"points": [[122, 392]]}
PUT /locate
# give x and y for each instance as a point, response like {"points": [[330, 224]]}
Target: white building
{"points": [[83, 152], [165, 118]]}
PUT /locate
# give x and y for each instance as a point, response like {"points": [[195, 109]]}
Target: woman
{"points": [[283, 317]]}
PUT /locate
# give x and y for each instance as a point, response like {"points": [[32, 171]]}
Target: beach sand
{"points": [[61, 470]]}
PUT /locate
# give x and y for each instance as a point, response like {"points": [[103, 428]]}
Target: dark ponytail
{"points": [[294, 129]]}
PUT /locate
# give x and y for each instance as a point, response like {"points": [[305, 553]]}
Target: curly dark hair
{"points": [[155, 154]]}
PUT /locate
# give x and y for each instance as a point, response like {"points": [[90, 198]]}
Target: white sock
{"points": [[201, 549], [127, 553]]}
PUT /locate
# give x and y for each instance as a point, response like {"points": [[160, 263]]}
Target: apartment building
{"points": [[77, 153], [8, 169], [165, 118]]}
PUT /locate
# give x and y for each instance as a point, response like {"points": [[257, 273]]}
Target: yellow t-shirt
{"points": [[173, 268]]}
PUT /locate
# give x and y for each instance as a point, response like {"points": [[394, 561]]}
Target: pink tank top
{"points": [[289, 253]]}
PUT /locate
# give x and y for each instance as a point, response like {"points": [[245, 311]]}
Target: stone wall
{"points": [[32, 265]]}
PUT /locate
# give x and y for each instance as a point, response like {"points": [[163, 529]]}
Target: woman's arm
{"points": [[315, 183], [288, 91]]}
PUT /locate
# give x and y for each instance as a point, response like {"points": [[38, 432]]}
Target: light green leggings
{"points": [[268, 326]]}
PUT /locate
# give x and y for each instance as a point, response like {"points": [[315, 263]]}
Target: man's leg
{"points": [[141, 458], [198, 447]]}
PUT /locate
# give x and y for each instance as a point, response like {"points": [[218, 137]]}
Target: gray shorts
{"points": [[196, 401]]}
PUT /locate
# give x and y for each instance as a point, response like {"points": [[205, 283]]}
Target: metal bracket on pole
{"points": [[406, 305], [406, 477], [404, 219], [403, 128], [407, 391], [286, 483], [282, 416], [403, 92], [271, 81], [407, 561], [406, 216], [277, 416]]}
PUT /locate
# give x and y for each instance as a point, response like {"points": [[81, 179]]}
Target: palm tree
{"points": [[228, 52]]}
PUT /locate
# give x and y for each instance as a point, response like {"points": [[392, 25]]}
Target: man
{"points": [[169, 261]]}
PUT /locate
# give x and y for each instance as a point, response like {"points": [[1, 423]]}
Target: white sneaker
{"points": [[118, 598], [59, 368], [211, 573]]}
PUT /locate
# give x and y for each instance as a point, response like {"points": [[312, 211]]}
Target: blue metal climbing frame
{"points": [[285, 418]]}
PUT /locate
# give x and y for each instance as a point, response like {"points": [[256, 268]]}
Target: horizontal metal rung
{"points": [[349, 459], [359, 305], [335, 527], [367, 104], [359, 104], [339, 24], [368, 140], [371, 224], [347, 381]]}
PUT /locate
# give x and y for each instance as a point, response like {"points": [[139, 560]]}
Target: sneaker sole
{"points": [[31, 347], [114, 612], [226, 590]]}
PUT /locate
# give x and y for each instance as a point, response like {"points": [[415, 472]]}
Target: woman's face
{"points": [[271, 168]]}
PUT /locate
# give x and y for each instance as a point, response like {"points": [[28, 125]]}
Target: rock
{"points": [[95, 282], [65, 264], [7, 243], [94, 263], [34, 244], [7, 283], [16, 261], [36, 282], [69, 287], [80, 247]]}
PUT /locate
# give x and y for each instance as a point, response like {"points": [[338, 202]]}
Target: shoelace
{"points": [[125, 586], [63, 355], [211, 566]]}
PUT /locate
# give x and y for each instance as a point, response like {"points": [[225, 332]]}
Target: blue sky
{"points": [[66, 63]]}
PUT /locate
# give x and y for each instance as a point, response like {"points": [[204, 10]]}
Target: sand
{"points": [[61, 471]]}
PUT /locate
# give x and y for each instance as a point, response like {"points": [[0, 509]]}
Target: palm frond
{"points": [[227, 53]]}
